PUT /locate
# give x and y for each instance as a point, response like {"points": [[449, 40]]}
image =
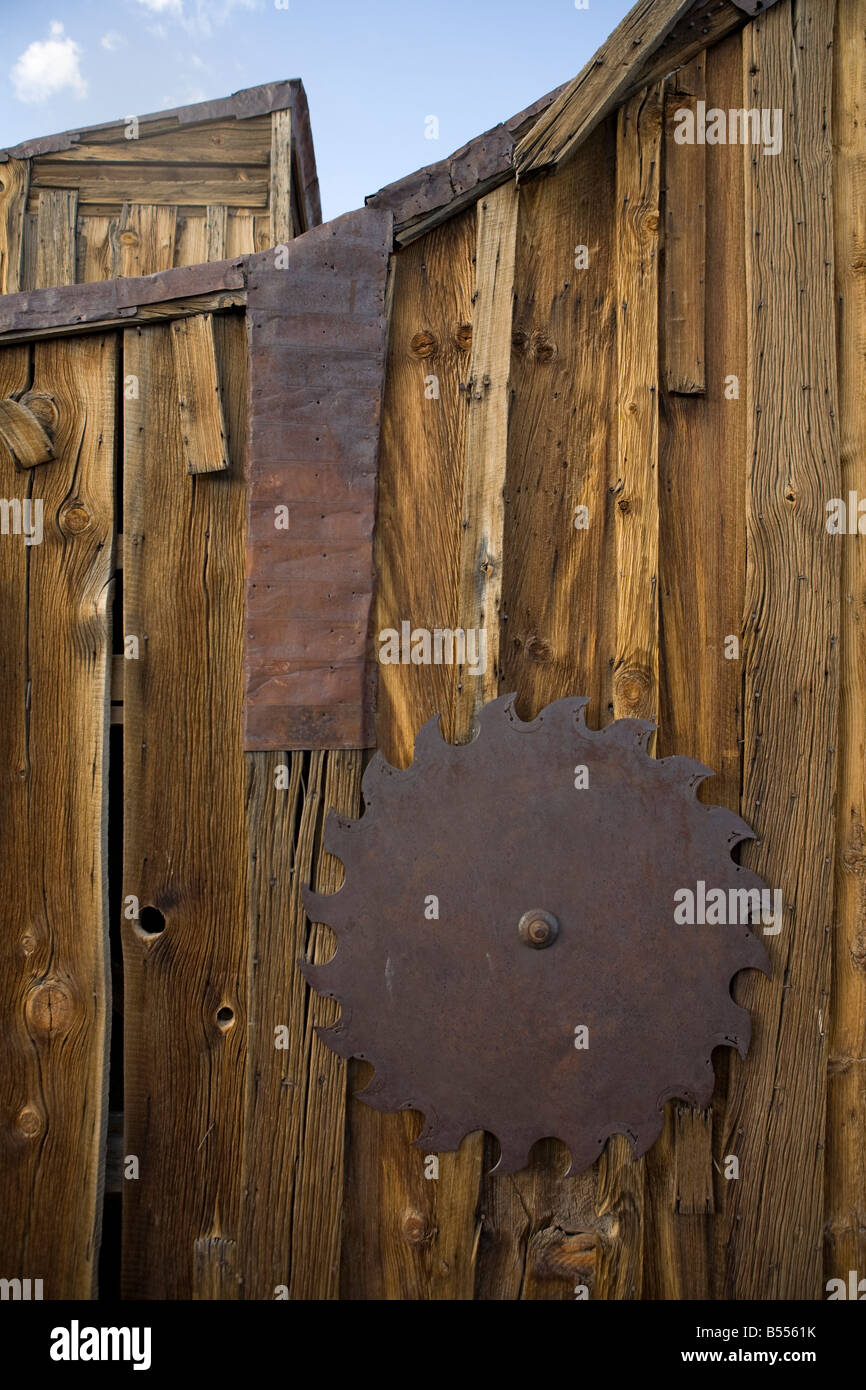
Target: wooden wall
{"points": [[176, 193], [699, 389]]}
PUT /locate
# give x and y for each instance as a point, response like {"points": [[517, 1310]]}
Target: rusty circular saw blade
{"points": [[458, 1017]]}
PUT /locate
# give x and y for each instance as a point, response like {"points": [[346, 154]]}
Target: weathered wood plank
{"points": [[54, 967], [540, 1235], [621, 1179], [685, 238], [23, 434], [185, 857], [772, 1223], [73, 307], [93, 248], [218, 142], [163, 184], [702, 545], [199, 394], [216, 225], [845, 1157], [14, 186], [599, 87], [487, 396], [283, 218], [142, 240], [190, 243], [406, 1236], [318, 1206], [55, 239], [559, 637]]}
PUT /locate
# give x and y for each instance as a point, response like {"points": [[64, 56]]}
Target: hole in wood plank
{"points": [[151, 921], [225, 1016]]}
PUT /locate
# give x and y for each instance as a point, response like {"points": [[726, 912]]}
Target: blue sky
{"points": [[374, 70]]}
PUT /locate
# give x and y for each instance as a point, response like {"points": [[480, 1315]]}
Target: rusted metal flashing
{"points": [[317, 326], [70, 306], [249, 101]]}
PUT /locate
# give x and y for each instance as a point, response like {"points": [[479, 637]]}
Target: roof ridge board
{"points": [[242, 105], [619, 66]]}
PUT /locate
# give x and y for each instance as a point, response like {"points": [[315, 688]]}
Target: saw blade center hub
{"points": [[538, 928]]}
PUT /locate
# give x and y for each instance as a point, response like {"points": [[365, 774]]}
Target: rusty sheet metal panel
{"points": [[316, 314]]}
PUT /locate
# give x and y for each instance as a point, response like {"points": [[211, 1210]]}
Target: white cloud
{"points": [[46, 67], [197, 17], [112, 40]]}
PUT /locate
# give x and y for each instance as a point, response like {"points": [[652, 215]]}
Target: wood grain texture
{"points": [[217, 142], [318, 1205], [296, 1093], [621, 1178], [185, 837], [55, 239], [53, 966], [599, 86], [772, 1223], [702, 566], [407, 1237], [93, 248], [216, 226], [142, 239], [14, 187], [685, 237], [158, 184], [23, 434], [484, 469], [559, 637], [199, 395], [541, 1234], [282, 212], [845, 1154]]}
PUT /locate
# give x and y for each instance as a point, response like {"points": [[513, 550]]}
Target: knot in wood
{"points": [[415, 1228], [49, 1009], [632, 688], [28, 1122], [463, 336], [543, 350], [74, 519], [424, 344]]}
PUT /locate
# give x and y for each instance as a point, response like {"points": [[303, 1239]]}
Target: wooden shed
{"points": [[593, 386]]}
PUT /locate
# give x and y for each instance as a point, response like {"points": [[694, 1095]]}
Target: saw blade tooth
{"points": [[438, 1137], [513, 1156], [730, 826], [327, 908], [379, 1095], [688, 771], [582, 1155], [643, 1135], [751, 954], [328, 979], [629, 733], [567, 713], [734, 1029], [339, 836], [338, 1039], [377, 774], [428, 736]]}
